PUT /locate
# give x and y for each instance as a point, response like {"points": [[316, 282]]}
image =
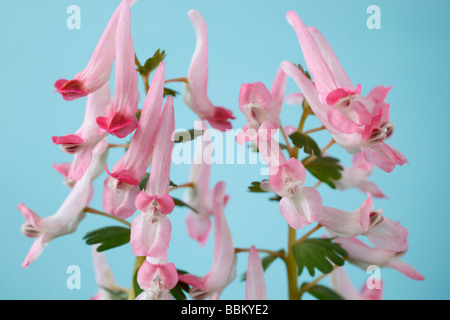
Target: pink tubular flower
{"points": [[223, 270], [69, 215], [255, 283], [157, 280], [259, 105], [151, 229], [122, 185], [121, 118], [104, 277], [63, 169], [97, 72], [82, 142], [199, 196], [364, 256], [195, 90], [356, 123], [382, 232], [356, 177], [343, 286]]}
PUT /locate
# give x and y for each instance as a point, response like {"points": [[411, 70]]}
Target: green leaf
{"points": [[152, 63], [256, 187], [306, 143], [323, 293], [172, 184], [143, 182], [318, 254], [180, 203], [265, 262], [326, 169], [187, 135], [178, 292], [275, 198], [108, 237], [170, 92]]}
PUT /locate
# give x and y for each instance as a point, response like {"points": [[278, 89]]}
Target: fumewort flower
{"points": [[195, 89], [84, 140], [116, 45], [104, 277], [255, 287], [258, 104], [69, 215], [364, 256], [199, 196], [381, 231], [223, 270], [357, 123], [356, 177], [157, 278], [122, 186], [341, 283], [151, 228]]}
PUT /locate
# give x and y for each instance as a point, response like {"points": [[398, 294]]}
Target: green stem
{"points": [[107, 215], [291, 267]]}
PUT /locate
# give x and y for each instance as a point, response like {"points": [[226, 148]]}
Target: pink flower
{"points": [[200, 195], [382, 232], [364, 256], [356, 123], [356, 177], [151, 229], [343, 286], [195, 90], [83, 141], [63, 169], [115, 44], [104, 277], [223, 270], [69, 215], [259, 105], [295, 98], [255, 283], [122, 185], [157, 280]]}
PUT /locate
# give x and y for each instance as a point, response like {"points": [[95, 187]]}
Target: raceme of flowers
{"points": [[138, 185]]}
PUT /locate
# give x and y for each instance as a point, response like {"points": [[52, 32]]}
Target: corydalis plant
{"points": [[139, 187]]}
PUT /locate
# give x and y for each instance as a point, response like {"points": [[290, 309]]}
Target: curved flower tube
{"points": [[223, 270], [69, 215], [364, 256], [151, 229], [83, 141], [122, 185], [195, 89], [98, 70], [382, 232], [356, 177], [200, 195], [255, 288], [343, 286]]}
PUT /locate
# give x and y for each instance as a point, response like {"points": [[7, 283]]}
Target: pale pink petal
{"points": [[166, 272], [198, 227], [295, 98], [383, 156], [277, 91], [255, 282], [389, 235], [303, 208], [150, 237], [406, 269]]}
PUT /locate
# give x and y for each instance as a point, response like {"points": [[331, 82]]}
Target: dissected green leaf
{"points": [[318, 254], [152, 63], [256, 187], [187, 135], [108, 237], [170, 92], [181, 203], [265, 262], [323, 293], [144, 181], [326, 169], [306, 143]]}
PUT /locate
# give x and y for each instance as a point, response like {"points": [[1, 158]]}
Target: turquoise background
{"points": [[247, 41]]}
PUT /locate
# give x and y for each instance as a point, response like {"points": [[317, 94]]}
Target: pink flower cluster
{"points": [[360, 124]]}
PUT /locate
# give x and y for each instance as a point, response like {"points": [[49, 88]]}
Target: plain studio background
{"points": [[247, 42]]}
